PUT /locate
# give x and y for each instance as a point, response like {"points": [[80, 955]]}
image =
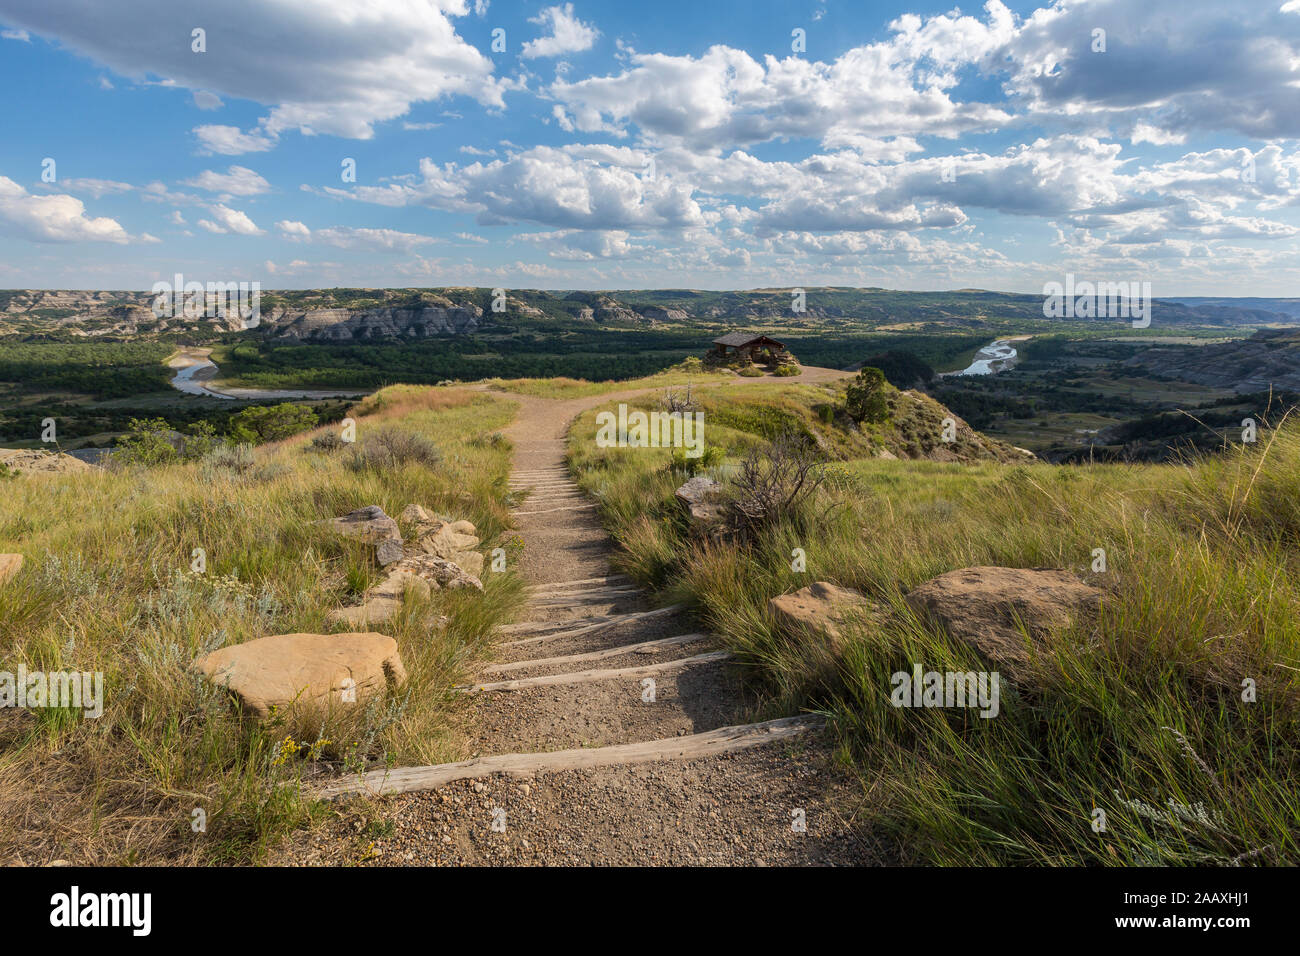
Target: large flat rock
{"points": [[310, 669], [992, 609]]}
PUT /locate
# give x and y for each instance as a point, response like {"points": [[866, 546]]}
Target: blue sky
{"points": [[610, 145]]}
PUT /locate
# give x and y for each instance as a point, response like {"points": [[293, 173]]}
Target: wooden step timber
{"points": [[584, 677], [555, 585], [534, 627], [610, 621], [594, 655], [547, 511], [592, 596], [585, 602], [720, 741]]}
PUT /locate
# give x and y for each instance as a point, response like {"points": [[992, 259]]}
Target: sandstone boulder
{"points": [[991, 608], [701, 496], [439, 572], [821, 610], [471, 562], [419, 520], [445, 543], [423, 521], [315, 670], [10, 564], [415, 514]]}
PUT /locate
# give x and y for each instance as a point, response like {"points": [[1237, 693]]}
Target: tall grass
{"points": [[1140, 716], [109, 587]]}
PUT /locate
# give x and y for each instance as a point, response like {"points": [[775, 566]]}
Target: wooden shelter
{"points": [[745, 343]]}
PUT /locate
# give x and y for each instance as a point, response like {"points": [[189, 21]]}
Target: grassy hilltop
{"points": [[1140, 713]]}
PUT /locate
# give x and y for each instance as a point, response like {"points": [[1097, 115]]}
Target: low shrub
{"points": [[389, 448]]}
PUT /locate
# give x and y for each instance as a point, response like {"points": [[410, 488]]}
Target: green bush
{"points": [[711, 457], [201, 439], [864, 398], [149, 442], [264, 423], [750, 371]]}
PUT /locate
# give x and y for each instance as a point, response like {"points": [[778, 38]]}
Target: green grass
{"points": [[1202, 592], [108, 587]]}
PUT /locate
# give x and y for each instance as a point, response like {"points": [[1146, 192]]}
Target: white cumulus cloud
{"points": [[568, 34]]}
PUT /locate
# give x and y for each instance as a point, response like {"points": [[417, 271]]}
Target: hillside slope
{"points": [[1269, 359]]}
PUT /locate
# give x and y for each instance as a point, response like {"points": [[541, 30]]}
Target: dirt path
{"points": [[619, 736]]}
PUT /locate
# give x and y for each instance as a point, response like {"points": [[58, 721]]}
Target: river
{"points": [[194, 370], [997, 356]]}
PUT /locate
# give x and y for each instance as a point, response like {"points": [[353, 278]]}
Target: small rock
{"points": [[389, 552], [414, 514], [701, 496], [820, 609]]}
